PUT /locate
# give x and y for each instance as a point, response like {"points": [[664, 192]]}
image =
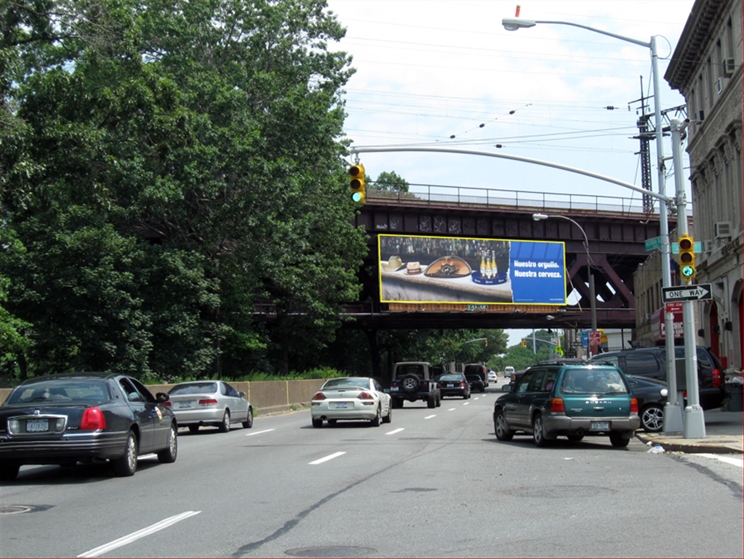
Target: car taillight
{"points": [[166, 404], [440, 384], [366, 396], [557, 405], [716, 378], [425, 385], [394, 384], [462, 384], [92, 419], [319, 396], [208, 402], [633, 405]]}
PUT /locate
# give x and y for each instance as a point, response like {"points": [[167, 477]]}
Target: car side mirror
{"points": [[506, 388], [241, 394], [162, 397]]}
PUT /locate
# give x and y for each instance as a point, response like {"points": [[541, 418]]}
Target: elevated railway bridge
{"points": [[616, 229]]}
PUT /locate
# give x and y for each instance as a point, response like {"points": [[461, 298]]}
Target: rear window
{"points": [[593, 381], [347, 382], [412, 369], [474, 377], [61, 391], [195, 388], [457, 378]]}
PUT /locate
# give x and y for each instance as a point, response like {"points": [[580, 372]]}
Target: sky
{"points": [[445, 73]]}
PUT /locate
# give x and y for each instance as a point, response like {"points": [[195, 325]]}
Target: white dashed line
{"points": [[451, 409], [466, 404], [429, 416], [728, 459], [327, 458], [139, 534], [259, 432], [395, 431]]}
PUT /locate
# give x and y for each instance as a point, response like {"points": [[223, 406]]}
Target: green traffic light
{"points": [[688, 271], [356, 197]]}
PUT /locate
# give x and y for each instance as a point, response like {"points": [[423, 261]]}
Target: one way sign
{"points": [[700, 292]]}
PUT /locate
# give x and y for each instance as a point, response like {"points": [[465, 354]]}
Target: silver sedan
{"points": [[360, 398], [209, 402]]}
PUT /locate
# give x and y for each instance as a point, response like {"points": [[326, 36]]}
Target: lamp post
{"points": [[673, 414], [590, 276]]}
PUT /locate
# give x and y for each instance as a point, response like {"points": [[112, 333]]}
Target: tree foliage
{"points": [[163, 164]]}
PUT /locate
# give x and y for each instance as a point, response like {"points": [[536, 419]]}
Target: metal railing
{"points": [[461, 196]]}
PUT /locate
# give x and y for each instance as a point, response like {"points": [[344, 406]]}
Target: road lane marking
{"points": [[327, 458], [466, 404], [259, 432], [398, 430], [451, 409], [728, 459], [139, 534], [430, 416]]}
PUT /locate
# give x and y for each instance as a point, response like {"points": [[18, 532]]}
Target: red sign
{"points": [[658, 327]]}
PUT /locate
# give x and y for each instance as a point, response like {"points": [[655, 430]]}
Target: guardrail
{"points": [[462, 196]]}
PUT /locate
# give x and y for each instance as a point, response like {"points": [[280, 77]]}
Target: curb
{"points": [[726, 445]]}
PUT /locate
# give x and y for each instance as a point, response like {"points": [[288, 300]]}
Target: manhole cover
{"points": [[15, 509], [331, 551]]}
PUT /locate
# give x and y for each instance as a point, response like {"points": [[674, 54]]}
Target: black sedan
{"points": [[477, 384], [454, 384], [84, 417], [651, 396]]}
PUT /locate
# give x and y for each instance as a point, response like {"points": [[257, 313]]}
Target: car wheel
{"points": [[652, 418], [431, 403], [317, 422], [439, 401], [225, 425], [410, 383], [378, 418], [389, 417], [193, 428], [248, 423], [575, 438], [168, 455], [618, 441], [397, 404], [126, 465], [503, 433], [538, 431], [9, 470]]}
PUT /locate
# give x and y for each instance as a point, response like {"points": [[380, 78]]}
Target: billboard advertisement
{"points": [[419, 269]]}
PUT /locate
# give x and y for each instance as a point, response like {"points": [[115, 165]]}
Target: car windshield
{"points": [[61, 392], [451, 378], [593, 381], [346, 382], [195, 388]]}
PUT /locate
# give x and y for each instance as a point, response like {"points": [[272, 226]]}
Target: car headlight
{"points": [[664, 392]]}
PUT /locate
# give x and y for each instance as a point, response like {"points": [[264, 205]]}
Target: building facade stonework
{"points": [[706, 68]]}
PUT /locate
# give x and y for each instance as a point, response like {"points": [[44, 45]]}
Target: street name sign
{"points": [[653, 243], [701, 292]]}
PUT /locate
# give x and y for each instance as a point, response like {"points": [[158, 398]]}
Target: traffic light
{"points": [[356, 184], [687, 257]]}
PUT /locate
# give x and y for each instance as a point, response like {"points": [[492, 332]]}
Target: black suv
{"points": [[650, 362]]}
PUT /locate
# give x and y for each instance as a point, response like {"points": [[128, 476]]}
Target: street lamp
{"points": [[590, 276], [672, 419]]}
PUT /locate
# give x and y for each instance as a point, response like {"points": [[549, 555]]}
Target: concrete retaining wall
{"points": [[266, 397]]}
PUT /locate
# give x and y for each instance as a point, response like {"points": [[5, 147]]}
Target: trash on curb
{"points": [[656, 449]]}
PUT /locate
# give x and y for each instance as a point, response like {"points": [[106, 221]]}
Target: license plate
{"points": [[185, 405], [341, 405], [37, 425], [600, 426], [450, 385]]}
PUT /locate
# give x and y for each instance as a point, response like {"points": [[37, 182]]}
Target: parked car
{"points": [[360, 398], [652, 396], [508, 371], [476, 382], [568, 400], [492, 376], [477, 368], [650, 362], [209, 402], [454, 384], [84, 417]]}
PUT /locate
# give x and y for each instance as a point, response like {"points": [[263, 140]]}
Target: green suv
{"points": [[572, 400]]}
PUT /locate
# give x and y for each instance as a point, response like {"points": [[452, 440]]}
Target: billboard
{"points": [[420, 269]]}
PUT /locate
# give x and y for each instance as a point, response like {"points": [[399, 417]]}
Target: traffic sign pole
{"points": [[694, 419]]}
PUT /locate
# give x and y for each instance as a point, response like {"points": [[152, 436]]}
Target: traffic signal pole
{"points": [[694, 419]]}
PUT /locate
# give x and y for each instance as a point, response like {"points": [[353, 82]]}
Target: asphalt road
{"points": [[433, 483]]}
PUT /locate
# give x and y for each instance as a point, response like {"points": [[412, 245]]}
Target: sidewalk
{"points": [[723, 430]]}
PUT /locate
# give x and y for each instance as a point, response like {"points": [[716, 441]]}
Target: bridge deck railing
{"points": [[461, 196]]}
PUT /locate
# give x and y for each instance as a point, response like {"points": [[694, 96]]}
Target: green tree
{"points": [[178, 154], [390, 180]]}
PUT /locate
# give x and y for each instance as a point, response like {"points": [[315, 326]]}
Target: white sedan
{"points": [[360, 398], [492, 376]]}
